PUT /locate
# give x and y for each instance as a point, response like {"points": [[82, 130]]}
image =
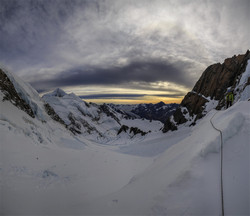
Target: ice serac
{"points": [[210, 91], [27, 93]]}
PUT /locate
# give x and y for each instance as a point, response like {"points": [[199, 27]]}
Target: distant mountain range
{"points": [[159, 111]]}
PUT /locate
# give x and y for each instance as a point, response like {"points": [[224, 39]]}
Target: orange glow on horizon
{"points": [[135, 101], [122, 95]]}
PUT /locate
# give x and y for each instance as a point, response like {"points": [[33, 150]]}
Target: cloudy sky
{"points": [[121, 51]]}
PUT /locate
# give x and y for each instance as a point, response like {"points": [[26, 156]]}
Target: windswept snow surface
{"points": [[177, 173]]}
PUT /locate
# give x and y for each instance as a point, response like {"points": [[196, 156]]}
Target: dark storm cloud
{"points": [[147, 72], [31, 29], [54, 43], [168, 95]]}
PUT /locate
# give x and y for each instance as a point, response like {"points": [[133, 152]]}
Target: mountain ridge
{"points": [[211, 87], [159, 111], [97, 122]]}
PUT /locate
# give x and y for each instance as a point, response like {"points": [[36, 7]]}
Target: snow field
{"points": [[49, 177], [177, 173], [185, 179]]}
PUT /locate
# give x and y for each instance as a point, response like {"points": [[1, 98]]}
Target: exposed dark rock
{"points": [[194, 103], [77, 125], [74, 126], [123, 128], [213, 83], [218, 77], [106, 109], [90, 129], [51, 112], [169, 126], [10, 94], [179, 117], [134, 130]]}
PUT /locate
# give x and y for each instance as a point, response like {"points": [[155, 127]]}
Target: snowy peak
{"points": [[75, 113], [57, 93], [94, 122], [98, 122], [210, 91]]}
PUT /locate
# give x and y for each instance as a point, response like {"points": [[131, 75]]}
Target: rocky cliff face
{"points": [[10, 94], [212, 86]]}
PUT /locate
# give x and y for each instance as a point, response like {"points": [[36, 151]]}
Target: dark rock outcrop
{"points": [[10, 94], [124, 128], [213, 83], [107, 110], [74, 126], [80, 125], [136, 131], [51, 112], [132, 130]]}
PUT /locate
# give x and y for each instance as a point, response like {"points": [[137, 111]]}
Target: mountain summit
{"points": [[57, 93]]}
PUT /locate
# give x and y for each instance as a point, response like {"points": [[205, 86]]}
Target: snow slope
{"points": [[184, 180], [70, 176]]}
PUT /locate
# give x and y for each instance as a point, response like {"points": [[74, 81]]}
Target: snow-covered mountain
{"points": [[47, 168], [159, 111], [98, 122]]}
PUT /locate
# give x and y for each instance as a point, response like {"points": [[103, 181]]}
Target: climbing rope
{"points": [[221, 165]]}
